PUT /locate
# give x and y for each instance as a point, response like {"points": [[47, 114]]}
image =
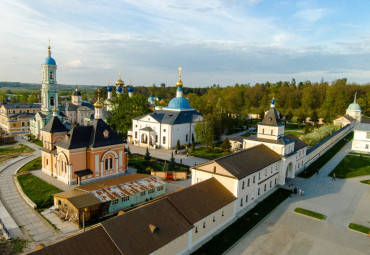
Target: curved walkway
{"points": [[25, 216]]}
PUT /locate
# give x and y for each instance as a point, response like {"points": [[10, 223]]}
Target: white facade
{"points": [[361, 139]]}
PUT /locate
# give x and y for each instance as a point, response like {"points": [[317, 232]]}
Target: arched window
{"points": [[51, 101], [108, 162], [51, 75]]}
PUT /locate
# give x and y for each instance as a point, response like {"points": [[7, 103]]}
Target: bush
{"points": [[319, 134], [226, 146], [147, 155]]}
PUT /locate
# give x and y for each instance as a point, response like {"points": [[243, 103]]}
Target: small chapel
{"points": [[84, 153], [164, 127]]}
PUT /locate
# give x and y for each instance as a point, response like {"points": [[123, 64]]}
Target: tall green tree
{"points": [[204, 133], [125, 109]]}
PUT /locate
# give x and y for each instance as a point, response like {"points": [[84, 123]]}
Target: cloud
{"points": [[310, 15]]}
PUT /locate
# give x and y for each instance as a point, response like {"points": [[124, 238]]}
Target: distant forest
{"points": [[294, 100]]}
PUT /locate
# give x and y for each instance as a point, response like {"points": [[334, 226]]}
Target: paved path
{"points": [[285, 232], [25, 216]]}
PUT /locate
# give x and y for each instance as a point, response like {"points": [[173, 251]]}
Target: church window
{"points": [[214, 218], [246, 199], [204, 224], [264, 189], [270, 184], [254, 179], [275, 181], [259, 176], [23, 124], [51, 75], [156, 138], [243, 185], [263, 131], [187, 137], [52, 101], [248, 182], [164, 140], [135, 134], [258, 191], [241, 202], [271, 169], [266, 172], [164, 130], [196, 229], [109, 163]]}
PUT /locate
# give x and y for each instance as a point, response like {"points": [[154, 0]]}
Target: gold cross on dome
{"points": [[180, 69]]}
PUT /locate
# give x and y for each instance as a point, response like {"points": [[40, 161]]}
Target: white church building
{"points": [[164, 127], [267, 160]]}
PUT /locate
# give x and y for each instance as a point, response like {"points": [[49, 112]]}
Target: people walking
{"points": [[333, 178], [302, 192], [299, 192]]}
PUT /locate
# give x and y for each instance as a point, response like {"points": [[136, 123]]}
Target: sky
{"points": [[215, 41]]}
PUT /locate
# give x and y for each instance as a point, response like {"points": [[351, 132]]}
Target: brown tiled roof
{"points": [[79, 199], [299, 144], [249, 161], [94, 241], [132, 233], [112, 182], [202, 199]]}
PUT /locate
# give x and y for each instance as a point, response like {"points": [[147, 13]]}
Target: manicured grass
{"points": [[209, 153], [310, 213], [6, 157], [366, 182], [224, 240], [137, 161], [352, 166], [323, 159], [32, 165], [16, 150], [359, 228], [39, 191]]}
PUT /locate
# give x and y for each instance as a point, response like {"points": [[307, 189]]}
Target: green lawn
{"points": [[137, 161], [352, 166], [359, 228], [208, 153], [366, 182], [32, 165], [323, 159], [16, 149], [14, 246], [39, 191], [310, 213], [224, 240]]}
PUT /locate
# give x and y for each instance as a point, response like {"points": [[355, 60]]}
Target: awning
{"points": [[81, 173]]}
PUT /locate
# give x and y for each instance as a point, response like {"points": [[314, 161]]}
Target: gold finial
{"points": [[98, 103], [49, 52], [120, 82], [179, 82], [55, 109]]}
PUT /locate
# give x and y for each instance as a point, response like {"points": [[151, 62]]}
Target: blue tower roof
{"points": [[49, 61], [130, 89], [179, 103], [273, 101], [119, 89], [179, 88], [109, 88]]}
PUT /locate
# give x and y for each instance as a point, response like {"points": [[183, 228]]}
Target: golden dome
{"points": [[179, 82], [98, 103], [119, 82]]}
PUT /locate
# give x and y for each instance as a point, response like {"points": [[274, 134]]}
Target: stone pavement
{"points": [[64, 226], [285, 232], [25, 216], [53, 181]]}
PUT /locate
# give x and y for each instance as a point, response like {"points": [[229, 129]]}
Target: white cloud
{"points": [[311, 15]]}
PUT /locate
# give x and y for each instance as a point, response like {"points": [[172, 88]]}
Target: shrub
{"points": [[147, 155], [319, 134], [226, 146]]}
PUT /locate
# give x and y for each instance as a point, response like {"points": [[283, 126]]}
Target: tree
{"points": [[178, 146], [125, 109], [165, 166], [204, 133], [172, 163], [226, 146], [192, 146], [147, 155]]}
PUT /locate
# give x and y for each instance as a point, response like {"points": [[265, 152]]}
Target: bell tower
{"points": [[49, 92]]}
